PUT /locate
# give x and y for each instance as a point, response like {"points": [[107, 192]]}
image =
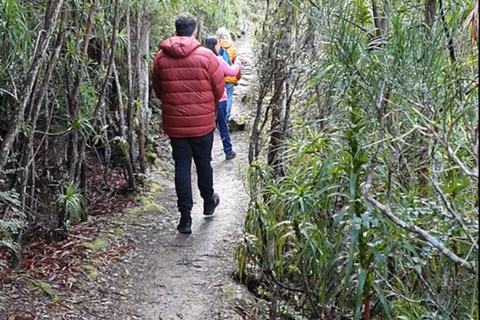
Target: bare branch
{"points": [[471, 173], [423, 234], [451, 154], [455, 216]]}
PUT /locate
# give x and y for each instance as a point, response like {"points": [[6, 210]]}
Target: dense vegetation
{"points": [[364, 161], [363, 154], [74, 97]]}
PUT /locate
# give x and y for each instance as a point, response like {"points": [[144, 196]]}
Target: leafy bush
{"points": [[375, 211]]}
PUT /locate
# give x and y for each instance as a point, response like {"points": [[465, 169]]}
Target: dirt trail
{"points": [[175, 276]]}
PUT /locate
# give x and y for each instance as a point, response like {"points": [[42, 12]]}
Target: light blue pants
{"points": [[229, 87], [223, 128]]}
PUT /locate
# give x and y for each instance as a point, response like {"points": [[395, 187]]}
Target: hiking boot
{"points": [[209, 209], [231, 155], [185, 225]]}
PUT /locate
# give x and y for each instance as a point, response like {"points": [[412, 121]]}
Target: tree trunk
{"points": [[276, 121], [51, 18], [74, 165], [143, 84], [106, 81], [39, 95], [83, 188], [285, 42], [129, 86], [128, 162], [451, 46], [430, 9], [103, 92]]}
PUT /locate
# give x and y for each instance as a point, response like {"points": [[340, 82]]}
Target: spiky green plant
{"points": [[71, 205]]}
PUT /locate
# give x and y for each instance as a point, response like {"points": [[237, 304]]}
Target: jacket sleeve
{"points": [[230, 70], [216, 78], [239, 75]]}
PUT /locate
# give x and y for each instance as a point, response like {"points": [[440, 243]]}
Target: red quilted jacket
{"points": [[189, 81]]}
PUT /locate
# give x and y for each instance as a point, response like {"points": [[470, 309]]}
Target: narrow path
{"points": [[174, 276]]}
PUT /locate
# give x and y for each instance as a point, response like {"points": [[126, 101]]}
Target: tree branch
{"points": [[455, 216], [423, 234], [451, 154]]}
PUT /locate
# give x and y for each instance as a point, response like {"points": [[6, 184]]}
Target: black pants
{"points": [[183, 150]]}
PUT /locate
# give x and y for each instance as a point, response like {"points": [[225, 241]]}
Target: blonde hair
{"points": [[223, 33]]}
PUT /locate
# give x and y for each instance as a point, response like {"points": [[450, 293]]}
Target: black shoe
{"points": [[231, 156], [209, 209], [185, 226]]}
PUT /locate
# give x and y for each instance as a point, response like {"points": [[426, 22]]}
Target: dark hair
{"points": [[185, 25], [210, 43]]}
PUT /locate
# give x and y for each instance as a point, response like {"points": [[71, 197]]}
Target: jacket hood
{"points": [[225, 43], [179, 46]]}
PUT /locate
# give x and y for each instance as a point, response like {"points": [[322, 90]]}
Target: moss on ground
{"points": [[91, 271], [147, 200], [97, 244], [46, 288]]}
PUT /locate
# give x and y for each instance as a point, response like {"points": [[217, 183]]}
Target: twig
{"points": [[307, 291], [280, 284], [471, 173], [273, 304], [433, 296], [390, 138], [394, 290]]}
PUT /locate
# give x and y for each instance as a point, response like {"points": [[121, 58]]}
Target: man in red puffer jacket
{"points": [[189, 81]]}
